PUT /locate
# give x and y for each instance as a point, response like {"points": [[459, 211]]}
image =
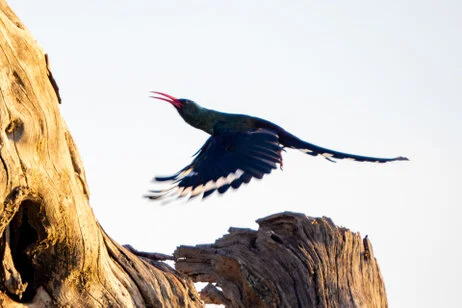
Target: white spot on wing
{"points": [[327, 155], [186, 191], [239, 173], [210, 185], [306, 151], [231, 177], [185, 173], [197, 190], [221, 181]]}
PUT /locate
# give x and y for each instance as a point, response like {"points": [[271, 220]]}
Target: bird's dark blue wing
{"points": [[226, 160]]}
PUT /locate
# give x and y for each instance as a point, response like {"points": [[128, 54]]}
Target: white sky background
{"points": [[366, 77]]}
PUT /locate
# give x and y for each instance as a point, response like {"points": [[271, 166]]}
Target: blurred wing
{"points": [[225, 160]]}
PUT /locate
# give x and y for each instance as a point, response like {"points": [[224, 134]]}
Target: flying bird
{"points": [[240, 148]]}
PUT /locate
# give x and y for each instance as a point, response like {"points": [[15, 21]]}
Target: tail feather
{"points": [[291, 141]]}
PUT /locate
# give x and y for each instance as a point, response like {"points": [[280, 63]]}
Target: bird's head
{"points": [[185, 107]]}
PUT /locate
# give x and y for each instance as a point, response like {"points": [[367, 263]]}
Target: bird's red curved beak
{"points": [[168, 98]]}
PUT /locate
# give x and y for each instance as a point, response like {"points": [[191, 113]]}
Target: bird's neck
{"points": [[204, 119]]}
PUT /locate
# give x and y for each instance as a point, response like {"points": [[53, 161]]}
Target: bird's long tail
{"points": [[291, 141]]}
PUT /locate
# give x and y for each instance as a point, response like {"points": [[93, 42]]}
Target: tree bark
{"points": [[55, 254], [53, 251], [291, 261]]}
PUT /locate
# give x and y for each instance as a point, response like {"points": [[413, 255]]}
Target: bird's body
{"points": [[240, 147]]}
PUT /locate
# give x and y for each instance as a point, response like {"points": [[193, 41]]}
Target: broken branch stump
{"points": [[291, 261]]}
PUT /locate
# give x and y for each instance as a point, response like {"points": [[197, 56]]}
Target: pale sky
{"points": [[366, 77]]}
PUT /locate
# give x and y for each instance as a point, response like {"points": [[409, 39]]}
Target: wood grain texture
{"points": [[291, 261], [53, 251], [55, 254]]}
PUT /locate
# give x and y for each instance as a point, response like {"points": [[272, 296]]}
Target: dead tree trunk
{"points": [[291, 261], [54, 253]]}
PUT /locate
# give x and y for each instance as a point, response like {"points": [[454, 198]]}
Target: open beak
{"points": [[168, 98]]}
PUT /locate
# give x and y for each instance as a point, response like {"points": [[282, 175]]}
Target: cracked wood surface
{"points": [[55, 254], [291, 261], [53, 251]]}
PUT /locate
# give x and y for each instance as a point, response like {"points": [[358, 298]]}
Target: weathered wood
{"points": [[291, 261], [53, 251]]}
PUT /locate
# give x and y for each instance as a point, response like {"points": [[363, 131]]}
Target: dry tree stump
{"points": [[54, 253], [291, 261]]}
